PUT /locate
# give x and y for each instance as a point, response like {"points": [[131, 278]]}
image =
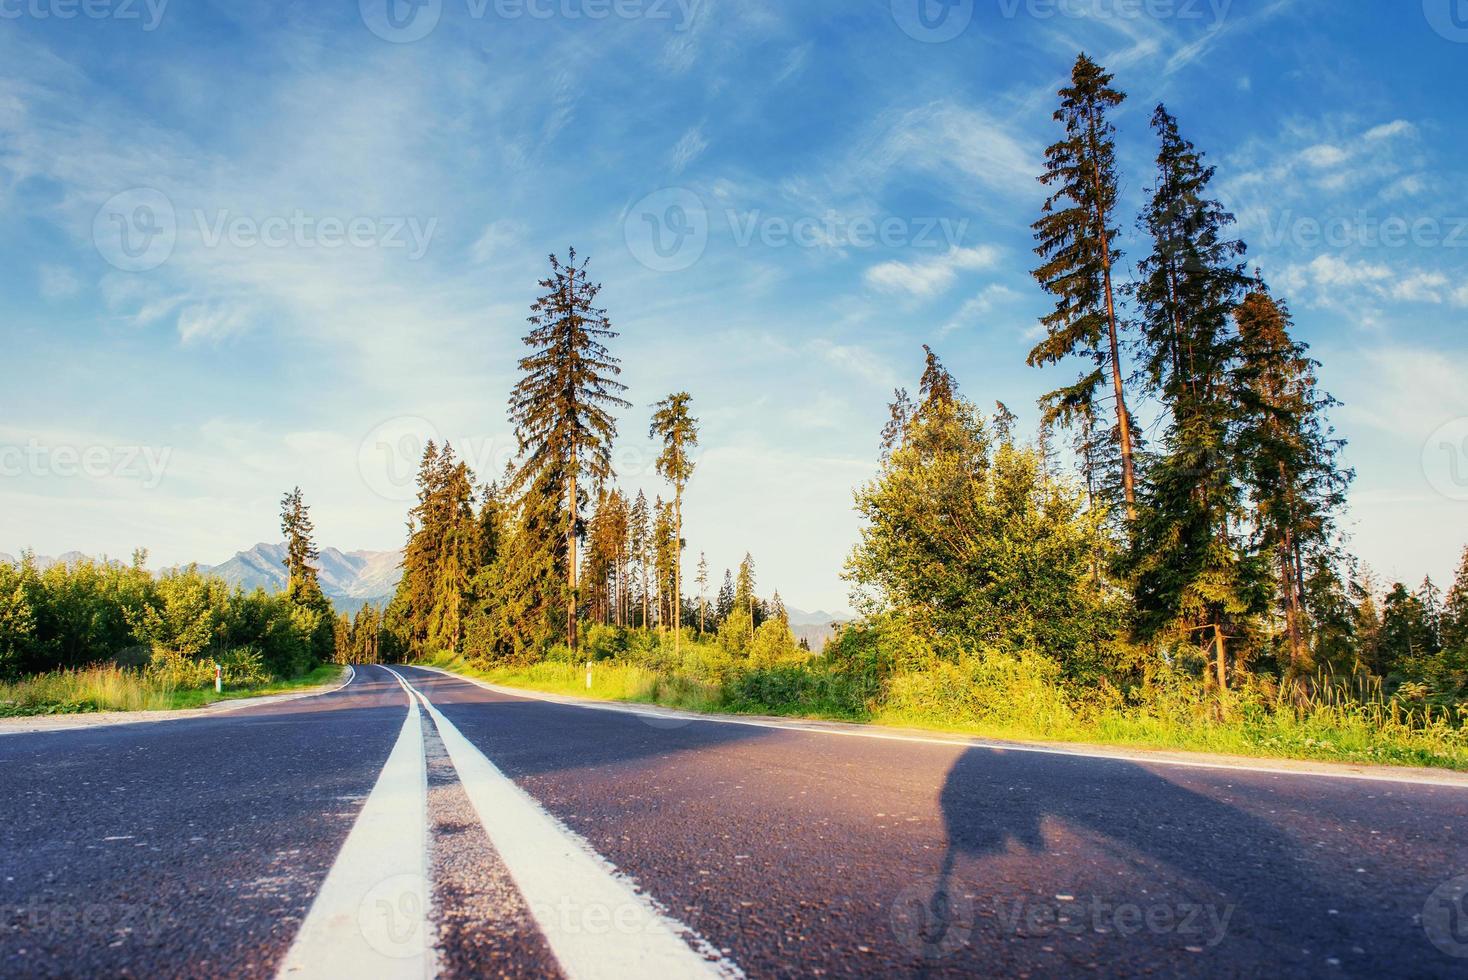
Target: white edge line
{"points": [[558, 871], [377, 874], [1448, 780]]}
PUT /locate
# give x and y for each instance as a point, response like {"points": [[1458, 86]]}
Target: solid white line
{"points": [[1440, 778], [370, 918], [594, 919]]}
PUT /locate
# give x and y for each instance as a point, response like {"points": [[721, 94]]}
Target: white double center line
{"points": [[370, 918], [593, 918]]}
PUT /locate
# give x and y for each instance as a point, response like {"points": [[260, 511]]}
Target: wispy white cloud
{"points": [[690, 147], [928, 277]]}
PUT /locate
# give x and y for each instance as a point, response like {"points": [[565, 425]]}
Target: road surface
{"points": [[415, 824]]}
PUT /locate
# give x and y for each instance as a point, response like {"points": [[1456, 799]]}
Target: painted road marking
{"points": [[593, 918], [1441, 779], [370, 918]]}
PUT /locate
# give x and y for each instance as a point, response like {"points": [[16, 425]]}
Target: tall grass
{"points": [[101, 688], [1024, 697], [108, 687]]}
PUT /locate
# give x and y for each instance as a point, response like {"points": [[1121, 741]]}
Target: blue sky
{"points": [[335, 220]]}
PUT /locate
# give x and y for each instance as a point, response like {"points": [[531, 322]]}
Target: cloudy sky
{"points": [[250, 244]]}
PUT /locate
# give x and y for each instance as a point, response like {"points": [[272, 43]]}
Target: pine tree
{"points": [[312, 610], [724, 604], [703, 588], [665, 559], [639, 543], [777, 609], [679, 434], [1076, 240], [561, 407], [300, 550], [1454, 629], [744, 597], [1193, 578], [1288, 458]]}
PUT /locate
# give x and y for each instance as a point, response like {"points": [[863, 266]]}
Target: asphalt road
{"points": [[562, 839]]}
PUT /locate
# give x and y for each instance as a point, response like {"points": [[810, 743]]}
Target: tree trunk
{"points": [[571, 563], [677, 570], [1124, 422], [1222, 656]]}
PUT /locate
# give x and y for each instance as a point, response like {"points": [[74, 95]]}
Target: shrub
{"points": [[177, 670]]}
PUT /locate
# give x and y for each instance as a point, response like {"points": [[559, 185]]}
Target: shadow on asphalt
{"points": [[994, 801]]}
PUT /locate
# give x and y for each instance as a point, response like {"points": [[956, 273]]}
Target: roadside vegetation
{"points": [[1159, 562], [104, 636]]}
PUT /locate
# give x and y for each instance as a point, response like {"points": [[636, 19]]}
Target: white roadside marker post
{"points": [[588, 675], [218, 678]]}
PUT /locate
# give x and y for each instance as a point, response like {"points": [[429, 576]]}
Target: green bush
{"points": [[174, 669]]}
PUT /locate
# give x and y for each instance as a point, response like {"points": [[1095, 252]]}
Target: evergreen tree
{"points": [[703, 588], [1077, 242], [679, 434], [1406, 636], [1193, 579], [1289, 460], [639, 545], [777, 609], [312, 611], [724, 604], [1454, 630], [300, 550], [562, 405]]}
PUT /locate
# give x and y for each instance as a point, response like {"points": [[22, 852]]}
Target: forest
{"points": [[1161, 561]]}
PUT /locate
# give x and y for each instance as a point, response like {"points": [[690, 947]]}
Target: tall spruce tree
{"points": [[313, 611], [1077, 241], [1289, 460], [639, 544], [1192, 576], [678, 431], [562, 406], [703, 589], [300, 549]]}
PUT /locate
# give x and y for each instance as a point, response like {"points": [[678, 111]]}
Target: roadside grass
{"points": [[1017, 707], [107, 687]]}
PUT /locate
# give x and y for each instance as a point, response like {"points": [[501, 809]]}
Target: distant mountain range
{"points": [[358, 576], [353, 579]]}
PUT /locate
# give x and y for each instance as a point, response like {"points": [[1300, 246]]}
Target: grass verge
{"points": [[1344, 735], [111, 688]]}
